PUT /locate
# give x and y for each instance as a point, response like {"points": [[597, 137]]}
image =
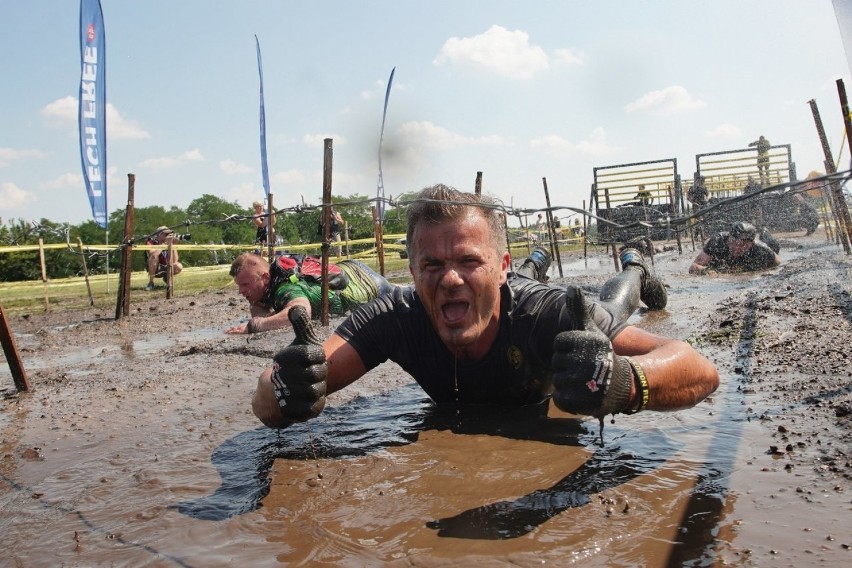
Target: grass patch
{"points": [[72, 294]]}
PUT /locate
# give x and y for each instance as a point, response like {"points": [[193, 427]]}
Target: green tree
{"points": [[208, 217]]}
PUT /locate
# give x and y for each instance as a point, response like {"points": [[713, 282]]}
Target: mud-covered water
{"points": [[156, 460]]}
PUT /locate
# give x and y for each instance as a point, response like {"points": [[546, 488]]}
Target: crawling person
{"points": [[272, 291], [470, 334], [738, 249]]}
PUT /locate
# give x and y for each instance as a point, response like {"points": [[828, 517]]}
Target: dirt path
{"points": [[130, 419]]}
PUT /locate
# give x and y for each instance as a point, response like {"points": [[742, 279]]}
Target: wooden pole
{"points": [[585, 235], [477, 188], [43, 273], [326, 223], [10, 348], [122, 305], [270, 230], [380, 244], [551, 230], [830, 169], [85, 271], [170, 271], [844, 107]]}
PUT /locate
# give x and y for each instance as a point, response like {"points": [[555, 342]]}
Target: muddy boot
{"points": [[652, 293], [643, 246], [536, 265]]}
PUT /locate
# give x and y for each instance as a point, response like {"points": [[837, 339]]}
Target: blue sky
{"points": [[517, 90]]}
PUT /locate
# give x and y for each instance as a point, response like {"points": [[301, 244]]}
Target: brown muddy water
{"points": [[137, 447]]}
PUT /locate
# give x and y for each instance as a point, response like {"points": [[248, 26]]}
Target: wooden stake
{"points": [[270, 231], [10, 348], [326, 222], [43, 273], [85, 271], [122, 305], [380, 244], [551, 230], [170, 272]]}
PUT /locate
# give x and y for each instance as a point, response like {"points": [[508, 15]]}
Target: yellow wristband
{"points": [[642, 387]]}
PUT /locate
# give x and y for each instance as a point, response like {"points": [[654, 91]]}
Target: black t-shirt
{"points": [[758, 257], [515, 371]]}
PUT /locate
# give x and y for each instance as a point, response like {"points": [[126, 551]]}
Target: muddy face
{"points": [[739, 247], [458, 275], [251, 282]]}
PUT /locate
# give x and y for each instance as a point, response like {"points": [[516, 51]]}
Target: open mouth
{"points": [[454, 311]]}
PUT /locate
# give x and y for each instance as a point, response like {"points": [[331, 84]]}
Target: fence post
{"points": [[19, 375], [170, 270], [844, 107], [551, 230], [85, 271], [43, 273], [837, 201], [270, 230], [122, 307], [326, 222], [380, 244]]}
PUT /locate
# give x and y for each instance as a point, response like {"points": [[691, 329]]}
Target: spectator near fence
{"points": [[158, 260], [336, 228], [260, 222]]}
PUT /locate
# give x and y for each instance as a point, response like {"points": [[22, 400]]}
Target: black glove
{"points": [[299, 371], [588, 377]]}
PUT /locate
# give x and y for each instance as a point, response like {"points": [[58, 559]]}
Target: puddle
{"points": [[173, 470], [110, 352]]}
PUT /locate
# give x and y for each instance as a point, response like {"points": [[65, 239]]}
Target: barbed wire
{"points": [[676, 224]]}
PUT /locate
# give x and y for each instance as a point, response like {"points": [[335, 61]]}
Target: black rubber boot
{"points": [[536, 265], [652, 292]]}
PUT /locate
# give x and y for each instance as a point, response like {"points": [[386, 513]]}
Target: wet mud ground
{"points": [[137, 446]]}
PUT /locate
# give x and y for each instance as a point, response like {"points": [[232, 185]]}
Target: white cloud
{"points": [[724, 131], [670, 100], [292, 178], [318, 140], [12, 196], [507, 53], [567, 57], [380, 88], [424, 133], [231, 167], [9, 155], [64, 112], [173, 161], [75, 180], [64, 181], [595, 145], [244, 194], [120, 127], [346, 183], [61, 110], [554, 142]]}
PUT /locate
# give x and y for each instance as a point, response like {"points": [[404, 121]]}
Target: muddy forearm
{"points": [[678, 376]]}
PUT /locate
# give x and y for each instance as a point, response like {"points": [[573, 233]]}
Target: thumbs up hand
{"points": [[299, 371], [588, 377]]}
